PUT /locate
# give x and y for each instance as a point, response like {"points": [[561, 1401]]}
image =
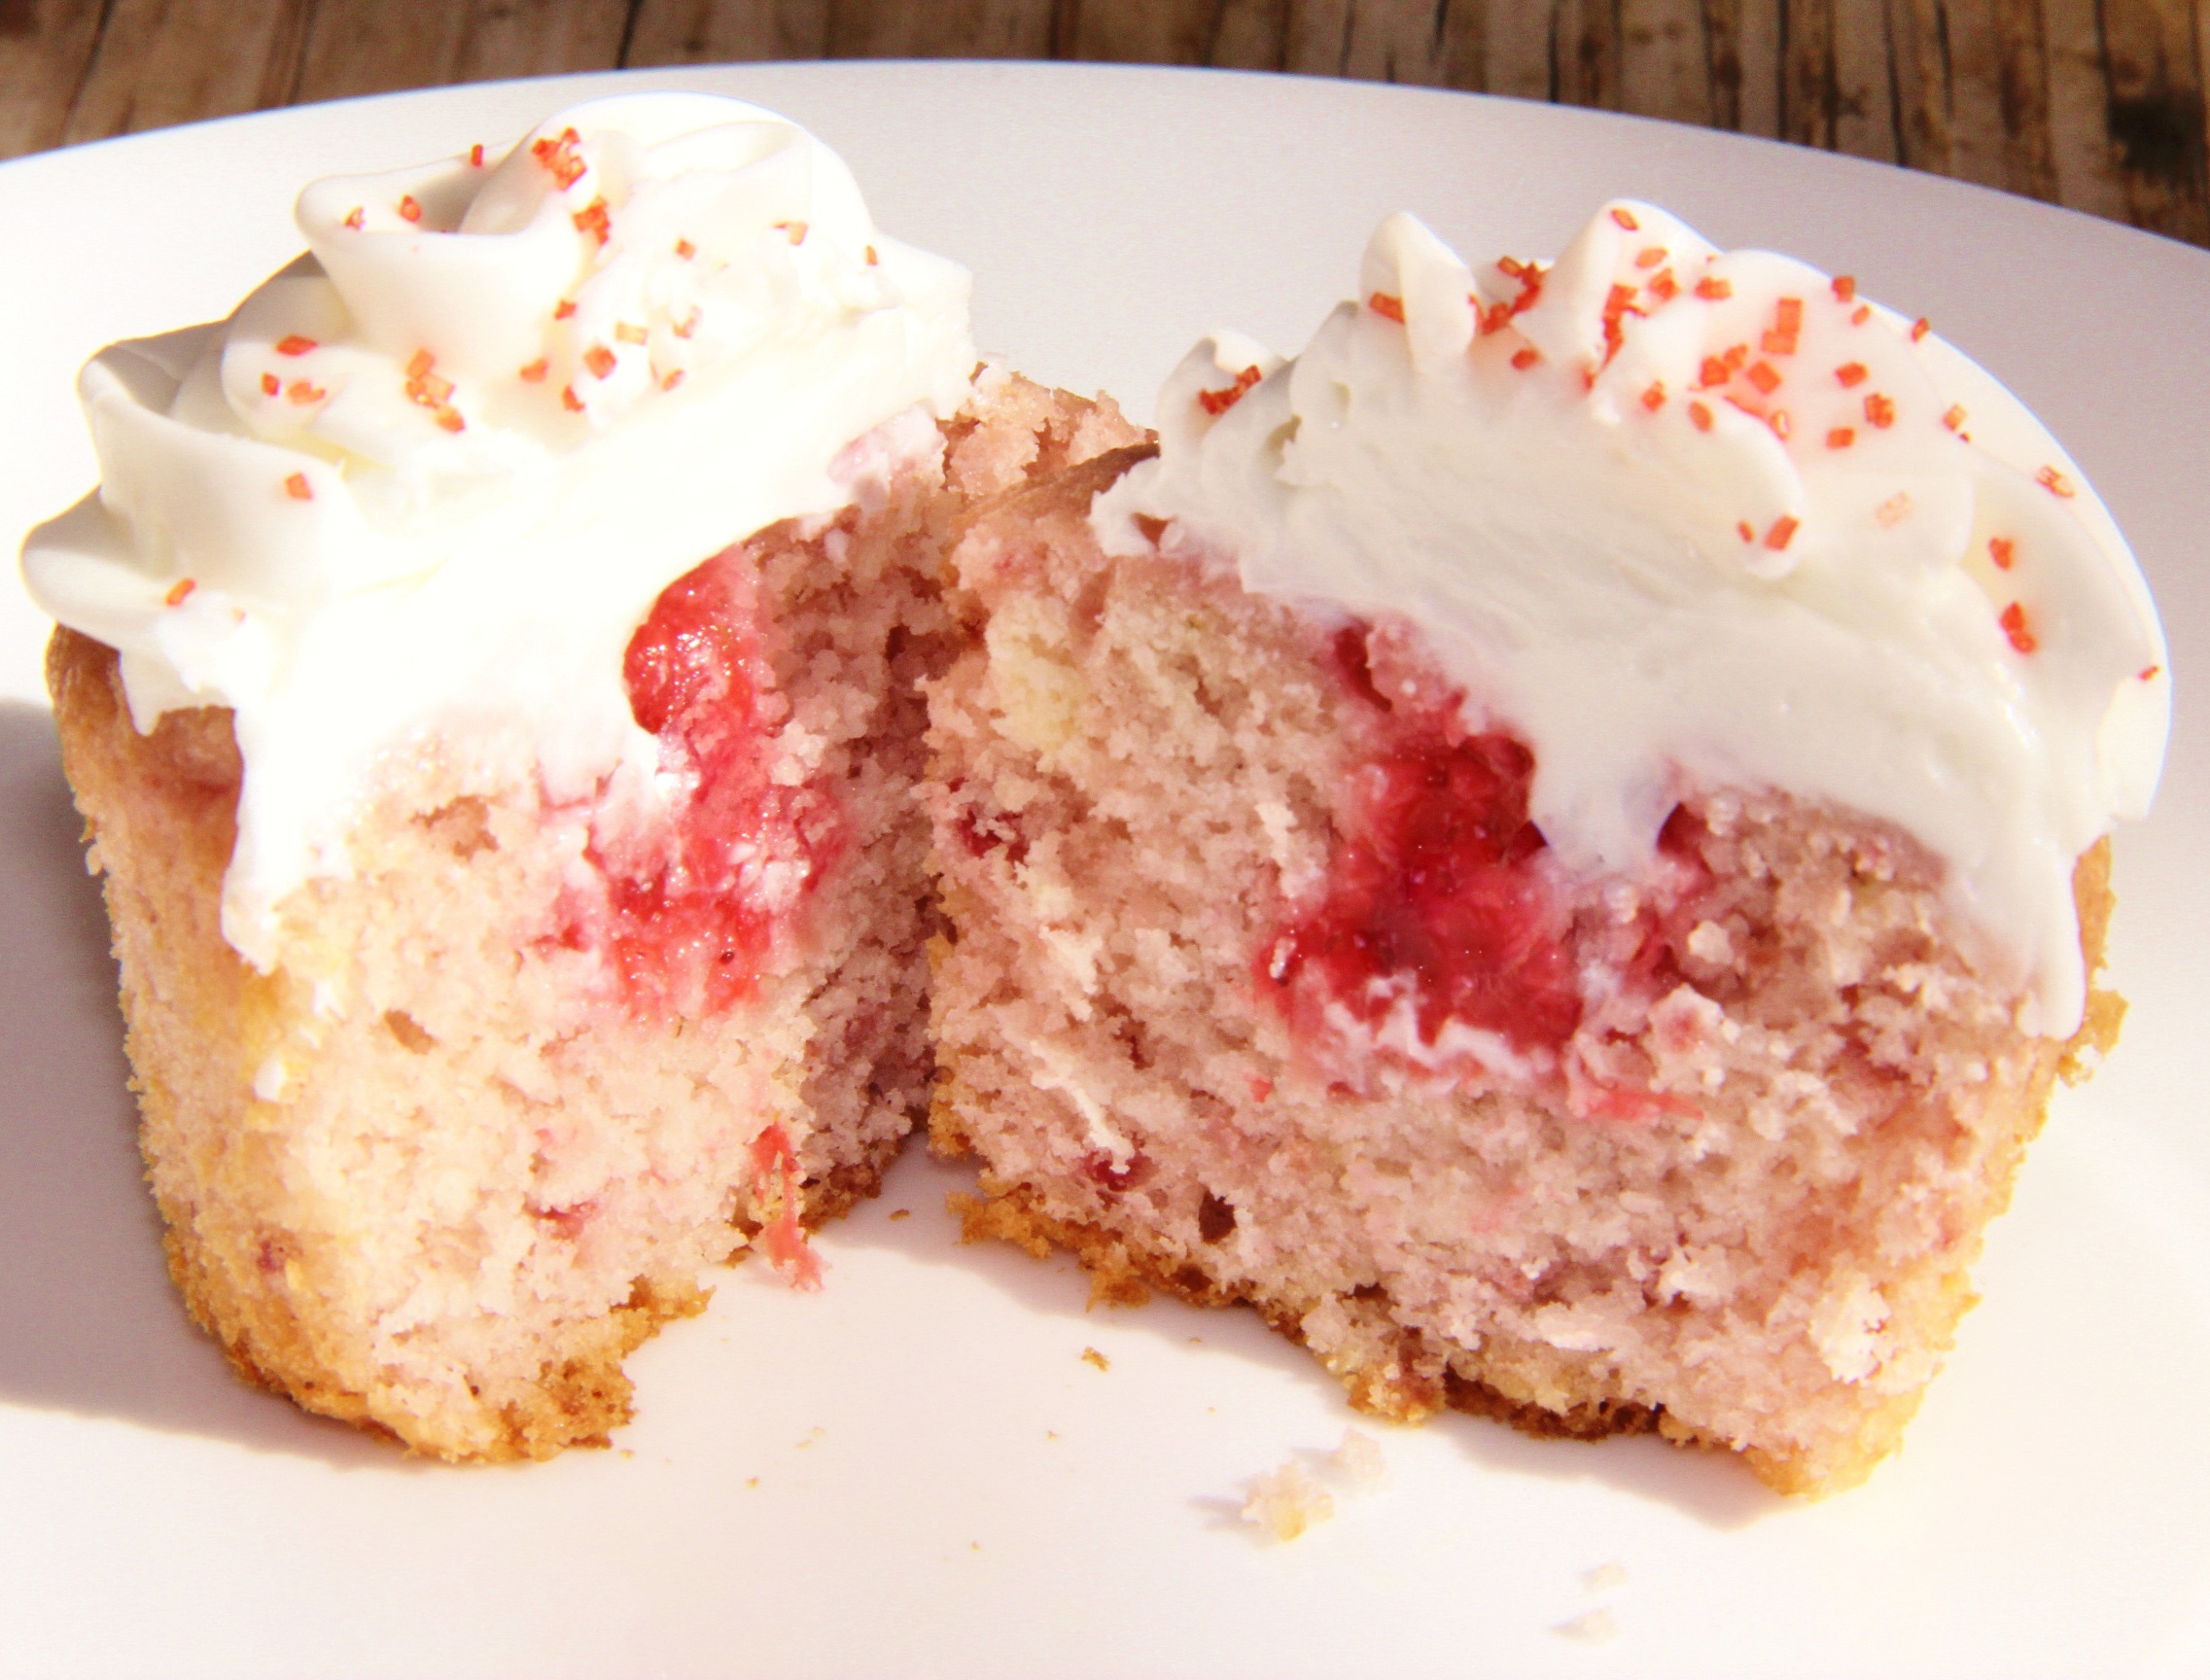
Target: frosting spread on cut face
{"points": [[430, 476], [1681, 517]]}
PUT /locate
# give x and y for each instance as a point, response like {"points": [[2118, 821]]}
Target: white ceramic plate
{"points": [[918, 1472]]}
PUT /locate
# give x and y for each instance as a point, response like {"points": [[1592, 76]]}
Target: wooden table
{"points": [[2097, 104]]}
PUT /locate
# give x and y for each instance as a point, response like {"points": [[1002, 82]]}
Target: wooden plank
{"points": [[1584, 53], [1665, 61], [1396, 41], [508, 38], [1516, 48], [1136, 32], [726, 32], [943, 29], [2154, 71], [359, 47], [1864, 83], [1807, 73], [1251, 35], [1464, 35], [2081, 157], [2022, 94], [1742, 47], [1979, 146], [1318, 39], [163, 61], [1917, 61], [45, 47]]}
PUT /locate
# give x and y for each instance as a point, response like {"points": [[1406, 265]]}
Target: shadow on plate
{"points": [[89, 1321], [1708, 1487]]}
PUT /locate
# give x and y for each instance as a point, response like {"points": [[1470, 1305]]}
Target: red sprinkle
{"points": [[293, 344], [593, 219], [1954, 418], [302, 391], [1654, 399], [1763, 377], [475, 155], [2055, 482], [688, 324], [2014, 622], [1714, 372], [1748, 531], [1664, 286], [1782, 533], [1618, 306], [185, 586], [570, 400], [685, 249], [356, 217], [430, 389], [1879, 411], [1860, 314], [450, 419], [1850, 373], [298, 488], [2003, 551], [1649, 257], [270, 385], [563, 309], [1788, 315], [671, 379], [1220, 402], [599, 360], [1845, 288], [2149, 672], [872, 259], [1700, 416], [1713, 289], [558, 156], [408, 209], [1775, 343], [1625, 218], [1383, 305], [1840, 438], [534, 372], [1921, 328], [1525, 357]]}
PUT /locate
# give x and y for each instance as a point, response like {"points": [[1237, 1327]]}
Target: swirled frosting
{"points": [[430, 476], [1683, 518]]}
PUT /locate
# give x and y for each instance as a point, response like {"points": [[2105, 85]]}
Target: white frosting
{"points": [[1667, 573], [431, 476]]}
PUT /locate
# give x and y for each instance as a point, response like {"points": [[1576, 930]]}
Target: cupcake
{"points": [[488, 673], [1555, 844]]}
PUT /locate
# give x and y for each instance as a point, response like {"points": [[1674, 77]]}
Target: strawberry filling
{"points": [[695, 906]]}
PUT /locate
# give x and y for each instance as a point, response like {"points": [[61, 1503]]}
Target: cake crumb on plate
{"points": [[1288, 1501]]}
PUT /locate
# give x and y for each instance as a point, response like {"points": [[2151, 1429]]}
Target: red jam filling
{"points": [[1434, 896], [1437, 899], [694, 906]]}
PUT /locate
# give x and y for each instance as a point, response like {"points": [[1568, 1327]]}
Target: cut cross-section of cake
{"points": [[1555, 844], [490, 678]]}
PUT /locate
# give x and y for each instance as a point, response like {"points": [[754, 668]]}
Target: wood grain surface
{"points": [[2097, 104]]}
